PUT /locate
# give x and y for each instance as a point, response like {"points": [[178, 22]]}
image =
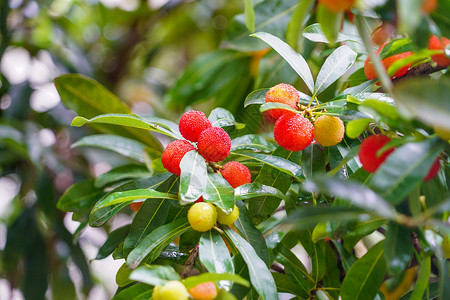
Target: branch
{"points": [[420, 70], [190, 262]]}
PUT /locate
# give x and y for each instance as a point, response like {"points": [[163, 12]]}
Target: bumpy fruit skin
{"points": [[173, 154], [204, 291], [136, 205], [369, 68], [236, 173], [434, 43], [368, 152], [214, 144], [293, 132], [433, 170], [225, 219], [328, 130], [202, 216], [338, 5], [192, 123], [442, 133], [282, 93], [173, 290]]}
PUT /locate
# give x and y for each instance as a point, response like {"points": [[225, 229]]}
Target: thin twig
{"points": [[190, 262]]}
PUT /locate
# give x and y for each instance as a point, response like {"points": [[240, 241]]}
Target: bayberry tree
{"points": [[320, 172]]}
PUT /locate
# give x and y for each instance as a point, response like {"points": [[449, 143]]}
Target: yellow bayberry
{"points": [[202, 216], [442, 133], [225, 219], [328, 130], [172, 290]]}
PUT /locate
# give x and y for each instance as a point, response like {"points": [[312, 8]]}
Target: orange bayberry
{"points": [[204, 291], [214, 144], [236, 174], [293, 132], [338, 5], [433, 170], [382, 33], [328, 130], [173, 154], [435, 44], [136, 205], [429, 6], [369, 68], [282, 93], [368, 152], [192, 123]]}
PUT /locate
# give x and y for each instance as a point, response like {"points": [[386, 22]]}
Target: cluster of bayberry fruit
{"points": [[175, 290], [294, 131], [213, 144]]}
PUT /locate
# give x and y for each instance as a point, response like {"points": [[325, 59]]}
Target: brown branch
{"points": [[419, 71], [190, 262]]}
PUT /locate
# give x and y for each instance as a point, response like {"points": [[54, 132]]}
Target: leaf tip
{"points": [[78, 121]]}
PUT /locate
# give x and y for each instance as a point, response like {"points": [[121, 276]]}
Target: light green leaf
{"points": [[214, 254], [193, 179], [256, 97], [314, 33], [330, 22], [154, 274], [251, 142], [250, 190], [356, 127], [249, 15], [297, 22], [219, 192], [193, 281]]}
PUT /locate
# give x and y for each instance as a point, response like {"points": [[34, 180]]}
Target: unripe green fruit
{"points": [[173, 290], [202, 216], [225, 219], [442, 133], [328, 130]]}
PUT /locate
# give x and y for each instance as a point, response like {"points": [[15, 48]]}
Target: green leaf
{"points": [[193, 178], [398, 249], [251, 190], [88, 98], [154, 275], [330, 22], [334, 67], [315, 252], [249, 15], [221, 117], [256, 97], [381, 107], [135, 292], [80, 196], [314, 33], [193, 281], [133, 121], [122, 173], [285, 284], [297, 22], [251, 142], [154, 243], [219, 192], [410, 15], [357, 194], [295, 60], [422, 279], [313, 161], [404, 169], [124, 146], [271, 105], [115, 238], [423, 99], [251, 234], [214, 254], [356, 127], [260, 276], [364, 278]]}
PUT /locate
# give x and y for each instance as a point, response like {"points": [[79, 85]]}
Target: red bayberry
{"points": [[433, 170], [214, 144], [293, 132], [282, 93], [434, 43], [236, 174], [136, 205], [369, 68], [192, 123], [368, 152], [338, 5], [173, 154]]}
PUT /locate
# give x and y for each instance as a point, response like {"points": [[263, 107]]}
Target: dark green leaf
{"points": [[249, 15], [219, 192], [115, 238], [251, 142], [297, 22], [313, 161], [423, 279], [122, 173], [193, 281], [398, 249], [256, 97], [221, 117], [154, 275], [330, 22], [135, 292], [193, 178], [214, 254], [80, 196], [251, 190]]}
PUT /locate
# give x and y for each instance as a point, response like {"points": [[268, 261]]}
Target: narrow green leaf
{"points": [[219, 192], [285, 284], [275, 105], [260, 276], [193, 281], [334, 67], [79, 196], [135, 292], [154, 243], [122, 173], [398, 249], [214, 254], [356, 127], [314, 33], [330, 22], [154, 274], [193, 178], [115, 238], [295, 60], [256, 97], [313, 161], [423, 279], [297, 22], [249, 15], [251, 142], [364, 278], [221, 117], [251, 190]]}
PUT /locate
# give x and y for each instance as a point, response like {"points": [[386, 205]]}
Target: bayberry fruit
{"points": [[214, 144], [204, 291], [136, 205], [433, 170], [282, 93], [293, 132], [369, 68], [434, 43], [338, 5], [173, 154], [328, 130], [225, 219], [202, 216], [382, 33], [236, 174], [429, 5], [192, 123], [172, 290], [443, 133], [368, 152]]}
